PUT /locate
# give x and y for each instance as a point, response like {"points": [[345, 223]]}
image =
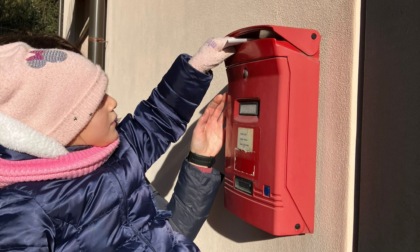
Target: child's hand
{"points": [[211, 54], [207, 139]]}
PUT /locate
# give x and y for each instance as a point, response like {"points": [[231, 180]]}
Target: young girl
{"points": [[72, 179]]}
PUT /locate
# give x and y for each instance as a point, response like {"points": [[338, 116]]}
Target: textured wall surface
{"points": [[143, 39]]}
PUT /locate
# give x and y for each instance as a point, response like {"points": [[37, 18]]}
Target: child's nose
{"points": [[112, 103]]}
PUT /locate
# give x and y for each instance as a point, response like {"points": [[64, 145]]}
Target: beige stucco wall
{"points": [[143, 39]]}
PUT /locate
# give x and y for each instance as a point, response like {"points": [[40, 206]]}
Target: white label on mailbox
{"points": [[245, 139]]}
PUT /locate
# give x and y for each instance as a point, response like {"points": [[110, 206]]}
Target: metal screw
{"points": [[313, 36], [297, 226], [245, 73]]}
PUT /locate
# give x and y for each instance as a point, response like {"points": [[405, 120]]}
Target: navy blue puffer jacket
{"points": [[110, 209]]}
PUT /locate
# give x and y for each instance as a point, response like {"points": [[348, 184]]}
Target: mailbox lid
{"points": [[268, 41]]}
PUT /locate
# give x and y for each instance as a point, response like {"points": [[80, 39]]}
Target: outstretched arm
{"points": [[163, 117]]}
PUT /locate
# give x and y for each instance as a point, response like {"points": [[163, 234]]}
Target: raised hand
{"points": [[207, 139], [211, 54]]}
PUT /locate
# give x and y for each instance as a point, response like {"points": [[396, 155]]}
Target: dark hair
{"points": [[39, 41]]}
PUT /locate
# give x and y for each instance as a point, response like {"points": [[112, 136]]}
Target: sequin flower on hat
{"points": [[41, 57]]}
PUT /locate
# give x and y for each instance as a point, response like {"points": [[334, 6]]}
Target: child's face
{"points": [[100, 130]]}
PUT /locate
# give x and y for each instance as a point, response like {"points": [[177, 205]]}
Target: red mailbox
{"points": [[271, 128]]}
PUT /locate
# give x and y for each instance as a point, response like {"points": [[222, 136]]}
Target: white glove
{"points": [[211, 54]]}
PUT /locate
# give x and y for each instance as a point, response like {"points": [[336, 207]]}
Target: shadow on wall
{"points": [[220, 219], [230, 226], [167, 174]]}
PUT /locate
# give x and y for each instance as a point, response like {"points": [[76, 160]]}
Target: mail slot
{"points": [[271, 128]]}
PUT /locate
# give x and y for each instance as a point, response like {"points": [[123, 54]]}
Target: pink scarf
{"points": [[74, 164]]}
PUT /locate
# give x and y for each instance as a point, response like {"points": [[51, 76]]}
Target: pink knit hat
{"points": [[47, 96]]}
